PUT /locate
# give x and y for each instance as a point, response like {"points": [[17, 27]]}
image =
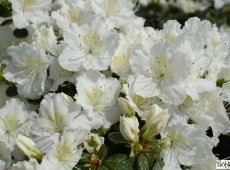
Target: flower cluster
{"points": [[155, 92], [188, 6]]}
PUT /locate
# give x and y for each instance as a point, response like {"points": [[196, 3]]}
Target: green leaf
{"points": [[142, 162], [68, 88], [153, 142], [5, 3], [159, 160], [220, 82], [21, 33], [11, 91], [4, 11], [98, 131], [119, 162], [85, 158], [102, 167], [116, 138], [102, 153], [80, 167]]}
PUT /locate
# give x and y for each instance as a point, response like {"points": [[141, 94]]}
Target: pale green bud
{"points": [[156, 120], [27, 146], [125, 107], [129, 128], [164, 143]]}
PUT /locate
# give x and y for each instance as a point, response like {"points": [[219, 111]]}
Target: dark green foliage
{"points": [[21, 33], [11, 91], [119, 162], [117, 138], [67, 88], [156, 15], [5, 11], [142, 162]]}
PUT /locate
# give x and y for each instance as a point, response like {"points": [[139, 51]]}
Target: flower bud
{"points": [[93, 143], [164, 143], [125, 107], [156, 120], [27, 146], [129, 128]]}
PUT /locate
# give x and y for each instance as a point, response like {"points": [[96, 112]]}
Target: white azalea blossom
{"points": [[67, 151], [27, 11], [208, 112], [92, 82], [28, 69], [220, 3], [60, 75], [160, 73], [188, 6], [32, 164], [189, 145], [14, 120], [46, 39], [90, 46], [207, 165], [97, 94], [5, 156], [138, 103], [115, 12], [72, 11], [56, 111], [120, 61]]}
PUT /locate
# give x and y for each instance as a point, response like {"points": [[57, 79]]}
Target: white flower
{"points": [[66, 152], [171, 30], [5, 156], [56, 111], [14, 119], [46, 39], [97, 95], [207, 112], [60, 75], [31, 164], [195, 84], [189, 145], [120, 61], [129, 128], [207, 165], [28, 69], [160, 73], [187, 6], [90, 45], [93, 143], [220, 3], [71, 11], [115, 12], [138, 103], [27, 11]]}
